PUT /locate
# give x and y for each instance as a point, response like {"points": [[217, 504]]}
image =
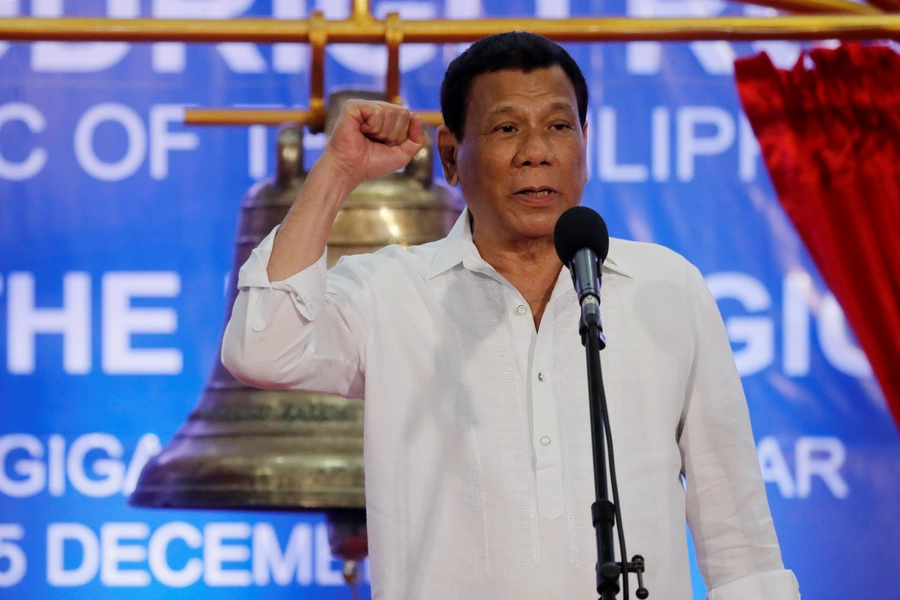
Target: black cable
{"points": [[614, 484], [593, 340]]}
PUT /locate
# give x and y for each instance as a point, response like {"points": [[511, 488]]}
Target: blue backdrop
{"points": [[116, 231]]}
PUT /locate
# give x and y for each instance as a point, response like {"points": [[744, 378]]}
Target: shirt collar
{"points": [[450, 249], [458, 247]]}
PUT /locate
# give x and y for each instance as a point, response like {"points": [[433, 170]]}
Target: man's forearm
{"points": [[303, 235], [369, 140]]}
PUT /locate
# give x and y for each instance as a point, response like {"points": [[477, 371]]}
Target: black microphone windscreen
{"points": [[580, 227]]}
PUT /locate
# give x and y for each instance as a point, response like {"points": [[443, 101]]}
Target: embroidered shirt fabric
{"points": [[479, 476]]}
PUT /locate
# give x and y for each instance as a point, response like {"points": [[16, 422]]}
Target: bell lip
{"points": [[256, 500]]}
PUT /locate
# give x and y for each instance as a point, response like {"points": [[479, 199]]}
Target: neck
{"points": [[521, 259], [531, 266]]}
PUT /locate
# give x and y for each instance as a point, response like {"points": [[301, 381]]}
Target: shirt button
{"points": [[540, 376], [545, 441], [521, 309]]}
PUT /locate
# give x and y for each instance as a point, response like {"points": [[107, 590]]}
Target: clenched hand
{"points": [[373, 139]]}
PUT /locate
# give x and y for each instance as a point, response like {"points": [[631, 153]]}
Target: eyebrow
{"points": [[510, 109]]}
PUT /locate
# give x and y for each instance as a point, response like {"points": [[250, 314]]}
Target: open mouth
{"points": [[535, 193]]}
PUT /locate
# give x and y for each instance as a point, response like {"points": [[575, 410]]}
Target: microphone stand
{"points": [[603, 511]]}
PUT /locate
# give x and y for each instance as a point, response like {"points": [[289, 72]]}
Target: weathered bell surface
{"points": [[402, 208], [246, 448]]}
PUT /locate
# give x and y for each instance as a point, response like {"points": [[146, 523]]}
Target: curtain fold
{"points": [[829, 132]]}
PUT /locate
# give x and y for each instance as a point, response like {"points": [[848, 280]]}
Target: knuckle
{"points": [[352, 106]]}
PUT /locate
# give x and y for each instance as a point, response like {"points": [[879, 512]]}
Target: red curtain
{"points": [[829, 131]]}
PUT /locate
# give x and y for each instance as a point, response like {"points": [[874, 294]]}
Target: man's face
{"points": [[521, 162]]}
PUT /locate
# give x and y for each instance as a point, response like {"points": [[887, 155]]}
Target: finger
{"points": [[416, 131], [372, 119], [392, 123], [399, 131], [415, 140]]}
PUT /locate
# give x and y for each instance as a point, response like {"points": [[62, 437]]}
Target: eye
{"points": [[506, 128], [561, 126]]}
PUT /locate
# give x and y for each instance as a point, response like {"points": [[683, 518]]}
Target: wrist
{"points": [[335, 173]]}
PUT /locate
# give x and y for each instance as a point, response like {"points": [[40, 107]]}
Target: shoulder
{"points": [[650, 263], [664, 293]]}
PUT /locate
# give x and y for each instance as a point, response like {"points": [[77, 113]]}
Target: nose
{"points": [[534, 150]]}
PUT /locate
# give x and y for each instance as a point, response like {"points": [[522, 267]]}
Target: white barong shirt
{"points": [[479, 476]]}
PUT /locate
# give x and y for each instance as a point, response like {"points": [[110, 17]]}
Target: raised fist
{"points": [[373, 139]]}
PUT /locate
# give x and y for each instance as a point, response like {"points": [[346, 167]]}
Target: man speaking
{"points": [[479, 476]]}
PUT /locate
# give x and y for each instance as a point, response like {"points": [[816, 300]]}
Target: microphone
{"points": [[582, 243]]}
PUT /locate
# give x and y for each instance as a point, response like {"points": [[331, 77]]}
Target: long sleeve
{"points": [[307, 332], [727, 509]]}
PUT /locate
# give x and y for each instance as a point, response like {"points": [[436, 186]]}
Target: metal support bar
{"points": [[393, 37], [820, 6], [272, 117], [318, 38], [243, 117], [361, 11], [363, 28], [605, 29], [888, 5]]}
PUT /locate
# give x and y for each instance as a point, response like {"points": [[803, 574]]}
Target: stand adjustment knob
{"points": [[638, 561]]}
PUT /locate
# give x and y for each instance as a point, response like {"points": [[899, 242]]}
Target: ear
{"points": [[447, 147], [584, 132]]}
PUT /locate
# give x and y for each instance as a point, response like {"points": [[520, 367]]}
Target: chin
{"points": [[537, 226]]}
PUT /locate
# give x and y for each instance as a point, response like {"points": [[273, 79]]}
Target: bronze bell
{"points": [[246, 448]]}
